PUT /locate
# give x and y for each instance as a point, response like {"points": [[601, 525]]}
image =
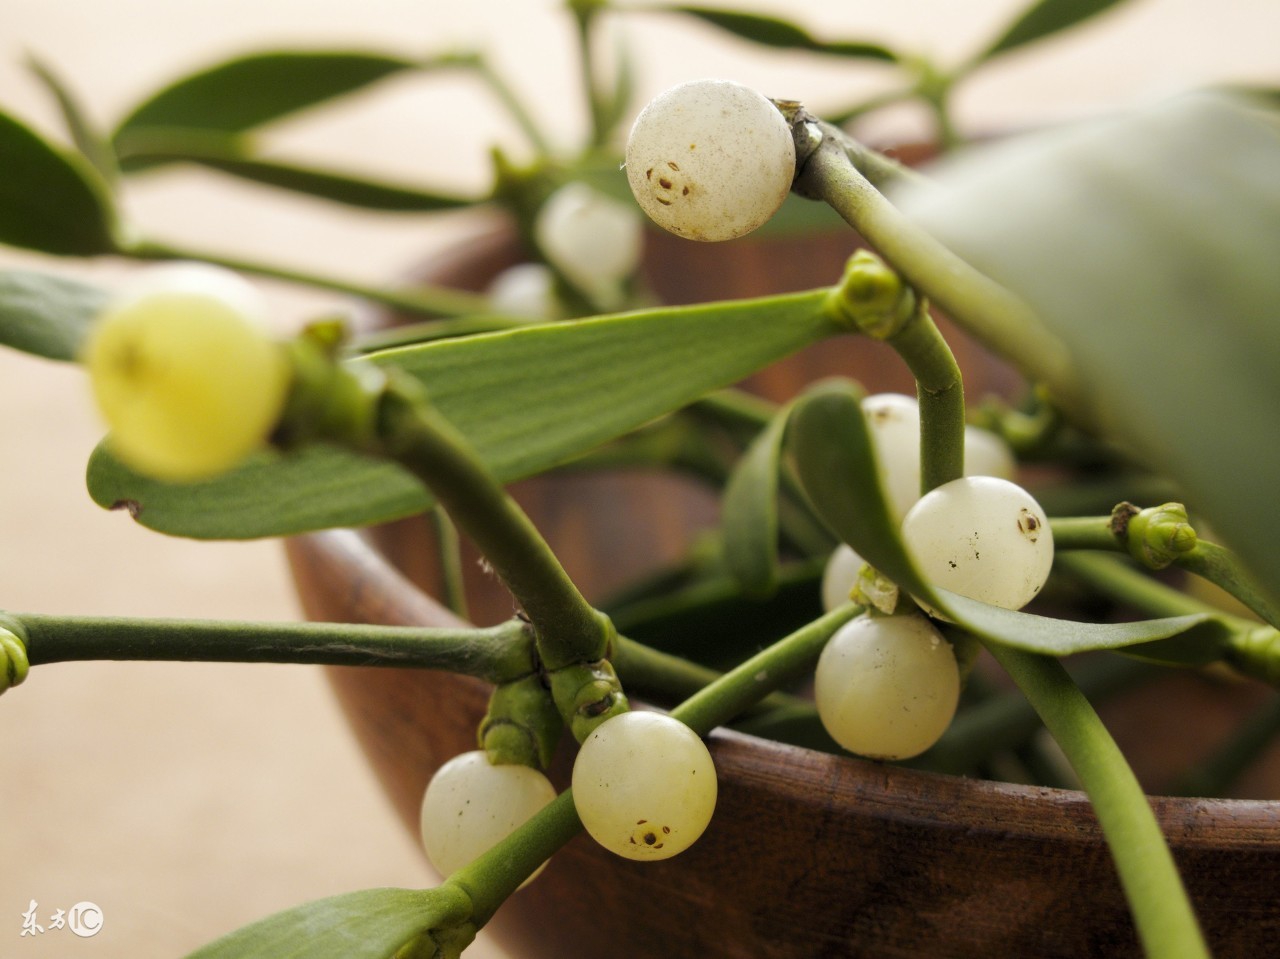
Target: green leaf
{"points": [[232, 155], [242, 93], [45, 314], [1147, 244], [749, 511], [50, 201], [835, 461], [782, 34], [526, 399], [88, 140], [1043, 19], [370, 924]]}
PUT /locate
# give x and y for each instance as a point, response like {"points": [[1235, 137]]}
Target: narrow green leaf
{"points": [[239, 94], [1147, 244], [50, 200], [749, 511], [835, 461], [45, 314], [527, 400], [1043, 19], [87, 138], [782, 34], [370, 924], [230, 154]]}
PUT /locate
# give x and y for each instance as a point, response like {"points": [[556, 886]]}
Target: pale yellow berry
{"points": [[185, 373], [644, 785], [471, 805], [886, 687]]}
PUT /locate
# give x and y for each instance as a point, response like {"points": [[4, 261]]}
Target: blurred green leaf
{"points": [[749, 511], [88, 140], [50, 200], [231, 154], [1148, 243], [1043, 19], [46, 315], [774, 32], [527, 400], [835, 461], [370, 924], [245, 92]]}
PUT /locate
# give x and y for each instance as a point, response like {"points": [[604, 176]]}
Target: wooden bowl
{"points": [[809, 854]]}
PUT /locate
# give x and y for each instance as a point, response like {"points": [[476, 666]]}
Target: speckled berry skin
{"points": [[710, 160]]}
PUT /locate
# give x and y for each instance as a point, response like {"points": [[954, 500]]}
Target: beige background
{"points": [[187, 800]]}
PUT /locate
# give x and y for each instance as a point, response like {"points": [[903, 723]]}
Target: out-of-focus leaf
{"points": [[1043, 19], [230, 154], [775, 32], [749, 511], [370, 924], [50, 201], [1148, 243], [835, 462], [88, 139], [245, 92], [526, 399], [46, 315]]}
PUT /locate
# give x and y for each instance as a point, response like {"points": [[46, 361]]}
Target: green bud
{"points": [[587, 694], [522, 725], [871, 298], [1158, 536], [14, 664], [1256, 652]]}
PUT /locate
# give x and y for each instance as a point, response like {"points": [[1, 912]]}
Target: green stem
{"points": [[450, 558], [584, 15], [1122, 581], [1221, 567], [748, 682], [1084, 532], [423, 301], [987, 310], [1165, 920], [414, 435], [496, 654], [940, 390], [513, 105]]}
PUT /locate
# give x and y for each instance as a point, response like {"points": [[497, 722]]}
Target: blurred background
{"points": [[187, 800]]}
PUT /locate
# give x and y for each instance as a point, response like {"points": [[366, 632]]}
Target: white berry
{"points": [[886, 687], [839, 575], [986, 454], [526, 289], [894, 422], [593, 239], [470, 805], [710, 160], [644, 785], [982, 537]]}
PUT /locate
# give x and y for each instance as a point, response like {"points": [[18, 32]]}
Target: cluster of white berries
{"points": [[887, 685]]}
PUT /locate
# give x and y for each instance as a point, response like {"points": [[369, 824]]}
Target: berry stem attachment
{"points": [[1161, 536], [1002, 321]]}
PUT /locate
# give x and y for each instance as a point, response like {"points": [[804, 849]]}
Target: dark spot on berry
{"points": [[664, 202], [951, 563], [666, 829], [648, 174], [641, 822], [672, 164], [684, 192], [650, 839], [664, 183]]}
